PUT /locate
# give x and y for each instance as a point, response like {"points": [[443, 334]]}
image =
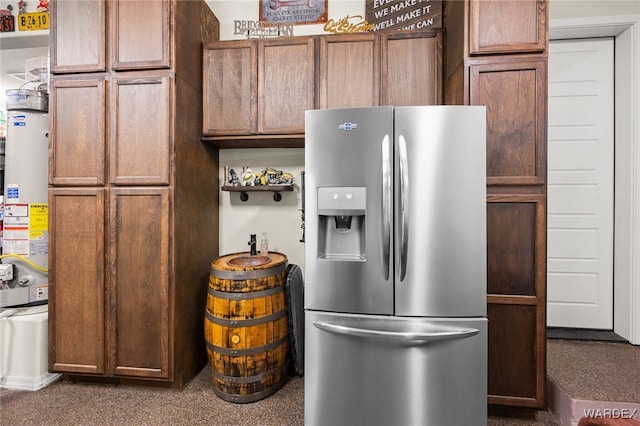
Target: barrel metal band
{"points": [[249, 275], [252, 397], [249, 379], [245, 322], [246, 295], [247, 351]]}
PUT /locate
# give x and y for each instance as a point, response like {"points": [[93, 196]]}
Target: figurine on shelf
{"points": [[247, 177], [233, 179], [271, 176]]}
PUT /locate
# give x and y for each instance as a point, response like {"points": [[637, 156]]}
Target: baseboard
{"points": [[28, 383], [583, 334]]}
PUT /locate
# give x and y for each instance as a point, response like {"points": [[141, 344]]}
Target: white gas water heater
{"points": [[24, 258]]}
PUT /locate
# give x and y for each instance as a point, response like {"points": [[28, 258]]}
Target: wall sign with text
{"points": [[290, 12], [404, 14]]}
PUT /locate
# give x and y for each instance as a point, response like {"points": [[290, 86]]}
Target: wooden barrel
{"points": [[245, 326]]}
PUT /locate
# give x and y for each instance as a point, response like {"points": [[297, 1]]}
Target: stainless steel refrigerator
{"points": [[395, 259]]}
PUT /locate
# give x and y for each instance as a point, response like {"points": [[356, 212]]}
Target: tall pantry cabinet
{"points": [[496, 55], [133, 191]]}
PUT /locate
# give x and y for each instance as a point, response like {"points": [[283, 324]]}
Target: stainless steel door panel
{"points": [[345, 148], [440, 201], [377, 370]]}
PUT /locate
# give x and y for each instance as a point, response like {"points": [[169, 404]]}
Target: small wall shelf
{"points": [[244, 190]]}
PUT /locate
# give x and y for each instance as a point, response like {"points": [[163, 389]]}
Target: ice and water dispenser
{"points": [[341, 223]]}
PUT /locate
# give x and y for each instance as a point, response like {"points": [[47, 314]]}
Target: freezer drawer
{"points": [[378, 370]]}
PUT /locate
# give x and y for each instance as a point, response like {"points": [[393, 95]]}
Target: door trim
{"points": [[626, 30]]}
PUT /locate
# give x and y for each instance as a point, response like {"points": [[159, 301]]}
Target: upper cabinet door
{"points": [[515, 93], [78, 36], [140, 34], [411, 68], [78, 131], [349, 71], [229, 86], [141, 128], [286, 77], [503, 26]]}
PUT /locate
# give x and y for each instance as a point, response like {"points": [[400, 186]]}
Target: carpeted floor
{"points": [[595, 370], [596, 364]]}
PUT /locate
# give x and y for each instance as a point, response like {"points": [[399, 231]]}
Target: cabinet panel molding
{"points": [[512, 328], [516, 297], [138, 282], [141, 137], [77, 146], [286, 84], [514, 93], [140, 34], [349, 71], [79, 40], [507, 26], [229, 87], [411, 68], [76, 280]]}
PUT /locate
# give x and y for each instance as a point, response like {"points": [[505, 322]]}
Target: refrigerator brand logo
{"points": [[348, 126]]}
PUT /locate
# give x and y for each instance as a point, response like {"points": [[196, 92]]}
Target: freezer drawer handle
{"points": [[447, 333]]}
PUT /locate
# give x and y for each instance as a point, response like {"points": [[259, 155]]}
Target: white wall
{"points": [[260, 213], [562, 9]]}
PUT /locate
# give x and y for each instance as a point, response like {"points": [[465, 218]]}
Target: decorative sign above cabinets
{"points": [[296, 12], [404, 14]]}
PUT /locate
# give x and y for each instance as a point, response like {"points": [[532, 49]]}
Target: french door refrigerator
{"points": [[395, 259]]}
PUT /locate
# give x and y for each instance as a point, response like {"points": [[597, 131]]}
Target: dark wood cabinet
{"points": [[78, 116], [349, 71], [229, 92], [258, 87], [507, 26], [516, 299], [127, 288], [96, 35], [79, 41], [255, 92], [286, 84], [514, 92], [138, 320], [496, 55], [141, 32], [141, 120], [77, 288], [120, 35], [411, 68]]}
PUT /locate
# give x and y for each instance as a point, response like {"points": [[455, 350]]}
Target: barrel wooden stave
{"points": [[246, 331]]}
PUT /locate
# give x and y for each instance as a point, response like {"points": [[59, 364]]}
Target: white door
{"points": [[580, 178]]}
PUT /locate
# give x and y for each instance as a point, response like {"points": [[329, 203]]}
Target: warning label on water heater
{"points": [[26, 229], [18, 120]]}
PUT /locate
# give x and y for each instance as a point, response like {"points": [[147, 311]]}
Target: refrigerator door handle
{"points": [[386, 205], [444, 333], [403, 205]]}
